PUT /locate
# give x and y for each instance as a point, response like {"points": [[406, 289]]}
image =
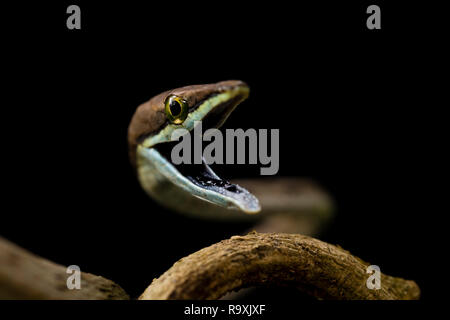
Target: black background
{"points": [[351, 105]]}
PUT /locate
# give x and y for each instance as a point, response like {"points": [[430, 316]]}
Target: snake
{"points": [[275, 204]]}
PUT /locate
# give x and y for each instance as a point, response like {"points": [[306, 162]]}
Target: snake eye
{"points": [[176, 109]]}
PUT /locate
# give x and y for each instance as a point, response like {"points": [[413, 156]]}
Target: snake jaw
{"points": [[205, 184]]}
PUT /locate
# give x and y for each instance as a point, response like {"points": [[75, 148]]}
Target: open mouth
{"points": [[202, 176]]}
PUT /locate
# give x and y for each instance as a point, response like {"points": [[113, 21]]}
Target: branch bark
{"points": [[24, 275], [315, 267]]}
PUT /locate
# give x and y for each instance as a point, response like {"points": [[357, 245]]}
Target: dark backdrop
{"points": [[349, 104]]}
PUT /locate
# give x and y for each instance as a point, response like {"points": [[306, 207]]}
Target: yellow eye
{"points": [[176, 109]]}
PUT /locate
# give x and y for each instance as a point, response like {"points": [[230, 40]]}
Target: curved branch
{"points": [[315, 267]]}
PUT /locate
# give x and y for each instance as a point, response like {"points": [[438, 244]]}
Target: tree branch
{"points": [[27, 276], [315, 267]]}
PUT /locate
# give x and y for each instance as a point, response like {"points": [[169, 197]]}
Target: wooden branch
{"points": [[320, 269], [27, 276]]}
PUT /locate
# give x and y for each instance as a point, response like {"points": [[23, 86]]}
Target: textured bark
{"points": [[27, 276], [315, 267]]}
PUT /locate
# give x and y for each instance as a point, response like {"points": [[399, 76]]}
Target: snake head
{"points": [[180, 186]]}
